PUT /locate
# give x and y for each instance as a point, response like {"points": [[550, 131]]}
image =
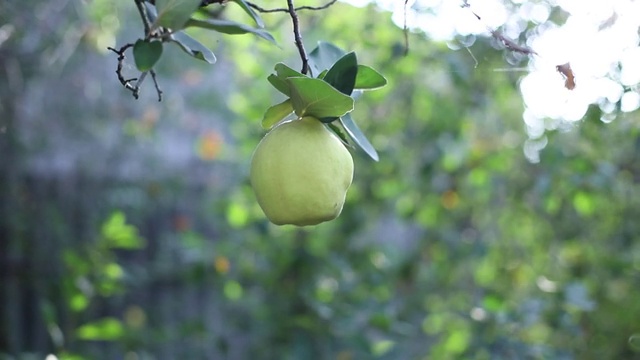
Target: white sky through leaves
{"points": [[599, 39]]}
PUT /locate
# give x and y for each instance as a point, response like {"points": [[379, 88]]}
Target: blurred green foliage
{"points": [[452, 246]]}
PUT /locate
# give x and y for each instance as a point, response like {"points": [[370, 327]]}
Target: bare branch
{"points": [[155, 83], [511, 45], [133, 84], [127, 83], [145, 19], [508, 43], [263, 10], [405, 30], [203, 3], [298, 37]]}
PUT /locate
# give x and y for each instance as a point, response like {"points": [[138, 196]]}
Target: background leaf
{"points": [[274, 114], [107, 329], [342, 74], [358, 136], [250, 11], [279, 83], [315, 97], [193, 47], [284, 71], [369, 79], [229, 27], [146, 54], [116, 233], [174, 14], [324, 56]]}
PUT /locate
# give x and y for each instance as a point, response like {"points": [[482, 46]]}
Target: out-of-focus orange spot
{"points": [[209, 145], [150, 118], [192, 77], [135, 317], [450, 199], [181, 223], [221, 264]]}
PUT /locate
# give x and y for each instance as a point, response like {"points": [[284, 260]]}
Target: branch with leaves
{"points": [[325, 88], [164, 21]]}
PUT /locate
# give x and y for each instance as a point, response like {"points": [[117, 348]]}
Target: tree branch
{"points": [[298, 37], [129, 83], [508, 43], [263, 10], [145, 19], [203, 3], [405, 30]]}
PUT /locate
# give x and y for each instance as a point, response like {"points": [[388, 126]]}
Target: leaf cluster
{"points": [[329, 96], [168, 21]]}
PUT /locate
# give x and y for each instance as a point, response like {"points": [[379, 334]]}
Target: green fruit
{"points": [[300, 173]]}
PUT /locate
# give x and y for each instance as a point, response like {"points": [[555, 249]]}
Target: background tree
{"points": [[129, 229]]}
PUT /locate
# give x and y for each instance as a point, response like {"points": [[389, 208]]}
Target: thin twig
{"points": [[405, 30], [155, 83], [127, 83], [298, 37], [263, 10], [145, 19], [508, 43], [472, 56], [133, 84], [203, 3]]}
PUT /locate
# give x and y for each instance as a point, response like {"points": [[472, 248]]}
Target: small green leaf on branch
{"points": [[342, 74], [369, 79], [283, 71], [358, 136], [276, 113], [324, 56], [174, 14], [230, 27], [193, 47], [278, 80], [250, 11], [146, 54], [315, 97]]}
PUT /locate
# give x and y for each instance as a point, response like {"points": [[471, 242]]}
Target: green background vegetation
{"points": [[129, 230]]}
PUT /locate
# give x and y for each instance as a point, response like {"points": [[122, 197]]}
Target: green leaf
{"points": [[233, 290], [315, 97], [369, 79], [193, 47], [274, 114], [229, 27], [329, 119], [278, 80], [250, 11], [342, 74], [284, 71], [146, 54], [324, 56], [116, 233], [380, 348], [358, 137], [174, 14], [107, 329], [322, 74], [343, 137], [279, 83]]}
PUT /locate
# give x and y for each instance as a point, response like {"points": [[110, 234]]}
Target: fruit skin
{"points": [[300, 173]]}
